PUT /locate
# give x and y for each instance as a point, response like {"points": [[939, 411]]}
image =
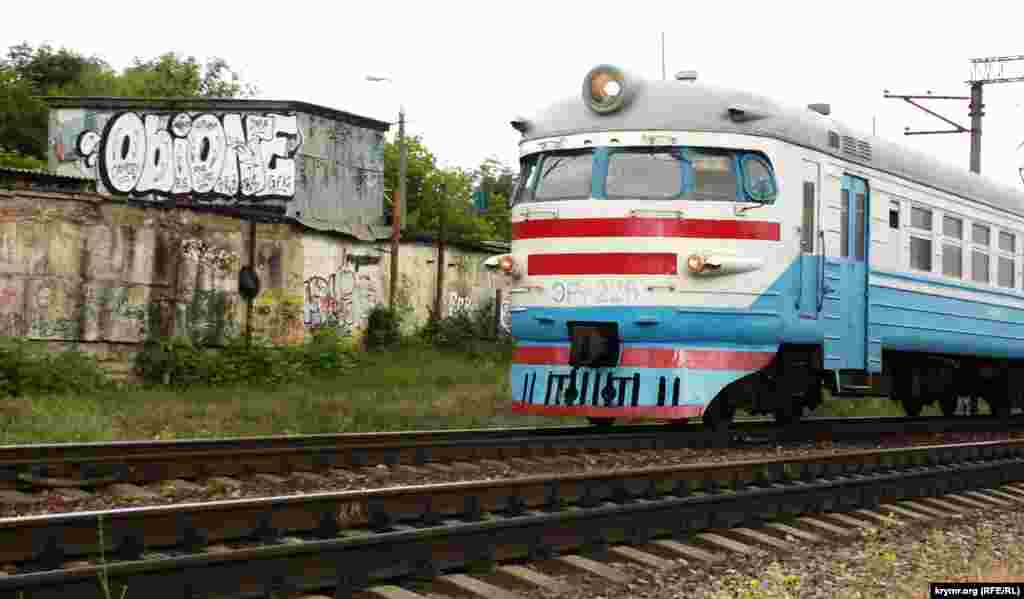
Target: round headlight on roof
{"points": [[606, 89]]}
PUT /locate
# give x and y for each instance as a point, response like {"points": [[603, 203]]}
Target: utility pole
{"points": [[397, 207], [441, 260], [983, 71]]}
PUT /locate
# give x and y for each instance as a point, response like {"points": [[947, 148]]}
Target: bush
{"points": [[181, 363], [468, 331], [27, 369], [383, 328]]}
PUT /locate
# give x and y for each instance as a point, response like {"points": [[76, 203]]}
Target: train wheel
{"points": [[788, 415], [602, 422], [912, 406], [949, 404], [719, 415], [1000, 407]]}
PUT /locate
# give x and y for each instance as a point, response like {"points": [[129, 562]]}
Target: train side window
{"points": [[1005, 271], [980, 234], [894, 215], [952, 247], [807, 227], [980, 259], [1006, 241], [921, 239], [921, 218]]}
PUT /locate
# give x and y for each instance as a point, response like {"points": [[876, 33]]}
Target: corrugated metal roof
{"points": [[43, 173], [690, 106], [216, 104]]}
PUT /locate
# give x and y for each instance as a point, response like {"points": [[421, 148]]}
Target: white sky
{"points": [[463, 69]]}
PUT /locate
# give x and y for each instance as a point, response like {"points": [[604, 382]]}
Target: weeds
{"points": [[26, 368], [104, 573]]}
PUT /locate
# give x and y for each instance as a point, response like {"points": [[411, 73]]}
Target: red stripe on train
{"points": [[667, 412], [647, 227], [602, 264], [654, 357]]}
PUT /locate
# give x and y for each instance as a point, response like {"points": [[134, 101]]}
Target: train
{"points": [[681, 250]]}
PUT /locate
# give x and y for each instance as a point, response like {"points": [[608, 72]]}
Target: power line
{"points": [[984, 71]]}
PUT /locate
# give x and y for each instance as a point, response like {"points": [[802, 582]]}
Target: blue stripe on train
{"points": [[696, 387], [930, 322]]}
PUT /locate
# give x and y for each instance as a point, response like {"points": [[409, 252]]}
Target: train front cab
{"points": [[647, 307]]}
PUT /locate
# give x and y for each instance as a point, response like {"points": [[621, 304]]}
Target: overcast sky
{"points": [[463, 69]]}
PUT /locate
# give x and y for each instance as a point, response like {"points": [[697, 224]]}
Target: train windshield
{"points": [[646, 173], [671, 174], [555, 176]]}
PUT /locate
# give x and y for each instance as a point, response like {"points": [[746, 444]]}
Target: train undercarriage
{"points": [[794, 382]]}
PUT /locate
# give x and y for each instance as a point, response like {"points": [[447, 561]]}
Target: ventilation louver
{"points": [[858, 148]]}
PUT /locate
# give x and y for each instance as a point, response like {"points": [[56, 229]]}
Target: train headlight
{"points": [[695, 263], [606, 89], [507, 264]]}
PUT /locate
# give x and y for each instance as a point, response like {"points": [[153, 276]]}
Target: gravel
{"points": [[887, 561], [52, 501]]}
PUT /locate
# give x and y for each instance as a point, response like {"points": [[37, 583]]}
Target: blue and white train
{"points": [[683, 250]]}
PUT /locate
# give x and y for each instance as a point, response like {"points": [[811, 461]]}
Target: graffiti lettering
{"points": [[590, 293], [459, 303], [8, 248], [506, 315], [342, 300], [206, 155]]}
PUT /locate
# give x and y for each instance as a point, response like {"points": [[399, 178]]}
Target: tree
{"points": [[28, 72], [498, 182], [171, 75], [420, 163], [426, 202]]}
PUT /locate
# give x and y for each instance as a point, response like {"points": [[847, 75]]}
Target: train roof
{"points": [[692, 106]]}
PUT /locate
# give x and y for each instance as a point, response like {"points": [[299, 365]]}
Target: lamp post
{"points": [[398, 200]]}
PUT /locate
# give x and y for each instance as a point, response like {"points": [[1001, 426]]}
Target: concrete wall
{"points": [[84, 268], [345, 278]]}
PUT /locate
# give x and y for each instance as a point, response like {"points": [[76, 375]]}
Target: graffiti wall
{"points": [[344, 280], [321, 167], [468, 286], [77, 268]]}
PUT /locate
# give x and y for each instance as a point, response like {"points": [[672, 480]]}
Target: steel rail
{"points": [[142, 462], [344, 540]]}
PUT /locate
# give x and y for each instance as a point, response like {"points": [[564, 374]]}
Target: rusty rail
{"points": [[142, 462], [345, 540]]}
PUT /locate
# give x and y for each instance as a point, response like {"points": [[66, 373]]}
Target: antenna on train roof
{"points": [[662, 55]]}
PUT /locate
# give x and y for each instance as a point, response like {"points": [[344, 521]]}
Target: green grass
{"points": [[413, 387], [410, 388]]}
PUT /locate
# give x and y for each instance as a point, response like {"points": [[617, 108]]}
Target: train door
{"points": [[845, 281], [810, 266]]}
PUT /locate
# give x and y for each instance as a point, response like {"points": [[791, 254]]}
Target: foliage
{"points": [[27, 369], [171, 75], [14, 159], [28, 72], [498, 181], [179, 362], [471, 332], [433, 192], [383, 328]]}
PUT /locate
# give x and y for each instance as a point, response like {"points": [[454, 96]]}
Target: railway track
{"points": [[91, 465], [345, 543]]}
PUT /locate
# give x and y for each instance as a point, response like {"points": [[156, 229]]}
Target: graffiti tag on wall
{"points": [[341, 300], [458, 302], [244, 157]]}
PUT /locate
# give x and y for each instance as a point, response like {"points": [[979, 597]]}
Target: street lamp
{"points": [[399, 199]]}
